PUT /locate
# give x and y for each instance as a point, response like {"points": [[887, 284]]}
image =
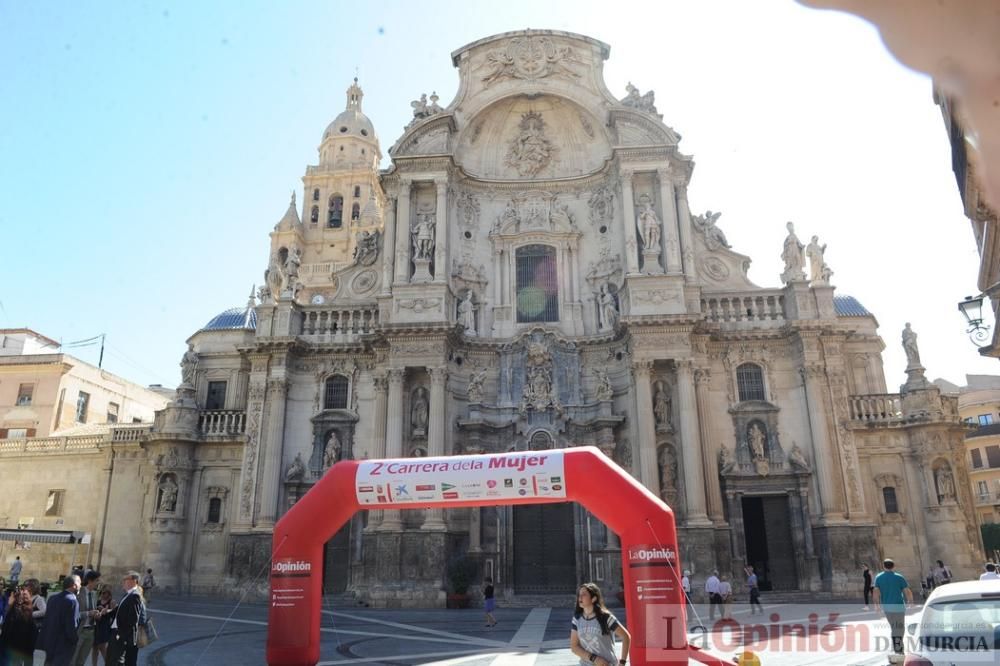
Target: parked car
{"points": [[960, 625]]}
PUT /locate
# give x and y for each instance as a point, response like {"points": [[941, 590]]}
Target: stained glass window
{"points": [[537, 284]]}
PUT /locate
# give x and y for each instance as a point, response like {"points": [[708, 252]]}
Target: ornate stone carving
{"points": [[167, 494], [819, 271], [331, 450], [366, 250], [667, 463], [468, 276], [607, 308], [364, 282], [475, 389], [714, 238], [714, 269], [793, 256], [797, 459], [623, 455], [634, 100], [648, 224], [910, 347], [530, 151], [418, 305], [538, 393], [662, 407], [607, 269], [529, 58], [418, 413], [468, 211], [944, 480], [601, 205], [727, 462], [296, 470], [603, 390], [467, 314], [189, 363], [422, 110], [422, 234]]}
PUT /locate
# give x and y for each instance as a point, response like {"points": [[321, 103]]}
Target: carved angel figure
{"points": [[604, 390], [714, 238], [476, 382], [297, 470]]}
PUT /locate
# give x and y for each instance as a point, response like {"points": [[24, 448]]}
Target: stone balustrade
{"points": [[135, 432], [339, 324], [76, 443], [764, 305], [877, 408], [222, 422]]}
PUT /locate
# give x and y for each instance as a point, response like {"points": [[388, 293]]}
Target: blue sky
{"points": [[147, 149]]}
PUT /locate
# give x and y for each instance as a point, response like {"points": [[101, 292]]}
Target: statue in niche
{"points": [[467, 314], [910, 347], [607, 308], [476, 382], [538, 392], [604, 390], [668, 473], [634, 100], [662, 406], [945, 484], [793, 255], [168, 495], [649, 225], [296, 471], [189, 363], [530, 151], [292, 264], [714, 238], [757, 441], [331, 451], [797, 459], [418, 412], [423, 236], [366, 251], [819, 272], [726, 460], [418, 452]]}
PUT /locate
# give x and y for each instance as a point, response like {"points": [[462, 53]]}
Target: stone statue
{"points": [[331, 452], [726, 460], [418, 412], [561, 217], [910, 347], [635, 100], [366, 251], [714, 238], [792, 254], [467, 314], [274, 278], [476, 382], [530, 151], [662, 406], [421, 109], [819, 272], [945, 483], [604, 390], [423, 236], [189, 362], [292, 264], [607, 308], [668, 472], [649, 226], [757, 440], [168, 495], [796, 458], [296, 471]]}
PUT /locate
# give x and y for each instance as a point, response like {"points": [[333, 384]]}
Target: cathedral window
{"points": [[889, 497], [316, 194], [750, 381], [216, 396], [357, 191], [335, 215], [335, 393], [215, 510], [356, 211], [537, 284], [314, 215]]}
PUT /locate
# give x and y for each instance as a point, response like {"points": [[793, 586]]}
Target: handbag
{"points": [[147, 634]]}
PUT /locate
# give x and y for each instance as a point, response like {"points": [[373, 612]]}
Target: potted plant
{"points": [[461, 571]]}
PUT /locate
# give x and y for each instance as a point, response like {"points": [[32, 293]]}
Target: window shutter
{"points": [[31, 432]]}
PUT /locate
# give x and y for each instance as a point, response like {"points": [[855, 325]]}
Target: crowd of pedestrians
{"points": [[81, 624]]}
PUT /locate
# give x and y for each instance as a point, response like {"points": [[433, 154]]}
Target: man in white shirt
{"points": [[714, 597], [991, 572]]}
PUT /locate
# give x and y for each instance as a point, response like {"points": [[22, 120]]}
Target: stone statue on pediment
{"points": [[794, 257], [819, 272], [189, 363], [910, 347], [635, 100], [366, 251], [714, 237]]}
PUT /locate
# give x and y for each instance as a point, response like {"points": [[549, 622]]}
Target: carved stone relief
{"points": [[529, 58], [531, 150]]}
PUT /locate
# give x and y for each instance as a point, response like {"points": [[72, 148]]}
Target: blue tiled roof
{"points": [[233, 319], [848, 306]]}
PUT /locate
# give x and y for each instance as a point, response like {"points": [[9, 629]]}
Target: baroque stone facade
{"points": [[527, 274]]}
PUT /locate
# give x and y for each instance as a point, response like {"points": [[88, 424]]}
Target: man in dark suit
{"points": [[130, 613], [58, 636]]}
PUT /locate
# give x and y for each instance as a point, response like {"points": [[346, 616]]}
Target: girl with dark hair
{"points": [[594, 629], [17, 638]]}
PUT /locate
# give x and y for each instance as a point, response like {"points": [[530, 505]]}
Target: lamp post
{"points": [[972, 309]]}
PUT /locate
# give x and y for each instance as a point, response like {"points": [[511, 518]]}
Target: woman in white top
{"points": [[594, 630]]}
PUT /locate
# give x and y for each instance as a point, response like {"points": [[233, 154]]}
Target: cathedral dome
{"points": [[352, 122], [233, 319]]}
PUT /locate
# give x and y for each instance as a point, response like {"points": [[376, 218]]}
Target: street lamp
{"points": [[972, 309]]}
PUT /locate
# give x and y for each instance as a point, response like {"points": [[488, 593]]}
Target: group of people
{"points": [[76, 625], [719, 591]]}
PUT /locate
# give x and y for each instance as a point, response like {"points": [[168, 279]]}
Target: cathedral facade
{"points": [[528, 274]]}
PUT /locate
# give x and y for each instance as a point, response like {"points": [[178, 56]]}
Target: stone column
{"points": [[441, 232], [694, 469], [684, 221], [713, 491], [434, 519], [823, 460], [737, 540], [475, 529], [807, 529], [402, 228], [273, 452], [628, 212], [394, 437], [648, 471], [381, 382], [388, 245], [672, 260]]}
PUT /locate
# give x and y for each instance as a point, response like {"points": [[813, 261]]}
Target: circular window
{"points": [[364, 132], [604, 229], [468, 234], [343, 129]]}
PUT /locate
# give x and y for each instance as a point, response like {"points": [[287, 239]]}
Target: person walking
{"points": [[726, 592], [754, 589], [714, 598], [147, 585], [58, 636], [892, 596], [89, 614], [123, 648], [15, 570], [489, 601], [102, 634], [942, 574], [866, 575], [594, 630], [19, 633], [991, 572]]}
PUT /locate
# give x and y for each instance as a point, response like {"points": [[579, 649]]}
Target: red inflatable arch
{"points": [[654, 600]]}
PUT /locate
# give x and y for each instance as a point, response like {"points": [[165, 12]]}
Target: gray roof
{"points": [[848, 306], [233, 319]]}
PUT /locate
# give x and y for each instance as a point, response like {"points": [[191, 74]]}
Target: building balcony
{"points": [[877, 409], [983, 430], [763, 305], [119, 434], [339, 324], [988, 499], [222, 422]]}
